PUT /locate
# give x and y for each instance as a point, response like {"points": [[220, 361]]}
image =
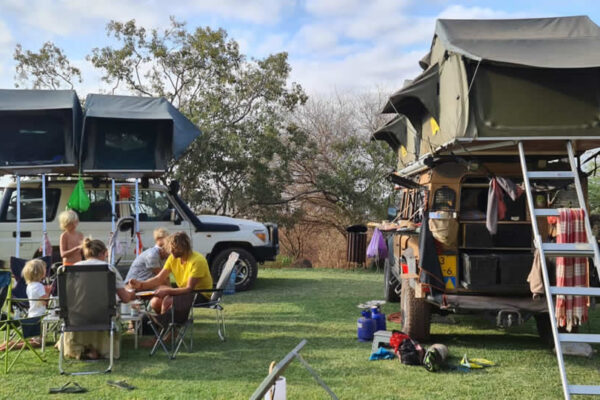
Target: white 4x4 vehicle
{"points": [[214, 236]]}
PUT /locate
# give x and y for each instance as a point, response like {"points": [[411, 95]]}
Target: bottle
{"points": [[230, 287], [366, 327], [379, 318]]}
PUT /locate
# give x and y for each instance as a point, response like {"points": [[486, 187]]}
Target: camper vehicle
{"points": [[214, 236], [491, 140]]}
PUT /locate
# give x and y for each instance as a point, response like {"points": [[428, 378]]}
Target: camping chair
{"points": [[214, 303], [87, 302], [15, 329], [174, 324]]}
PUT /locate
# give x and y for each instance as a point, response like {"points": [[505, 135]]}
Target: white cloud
{"points": [[6, 46], [255, 11], [462, 12]]}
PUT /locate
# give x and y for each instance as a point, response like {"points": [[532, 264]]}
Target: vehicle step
{"points": [[550, 175], [546, 212], [568, 249], [584, 389], [575, 291], [579, 337]]}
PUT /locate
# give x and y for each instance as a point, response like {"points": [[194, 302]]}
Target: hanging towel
{"points": [[571, 271], [496, 209]]}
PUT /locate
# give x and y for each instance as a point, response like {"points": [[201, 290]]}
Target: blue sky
{"points": [[333, 45]]}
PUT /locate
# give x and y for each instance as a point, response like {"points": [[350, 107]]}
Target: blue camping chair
{"points": [[15, 329]]}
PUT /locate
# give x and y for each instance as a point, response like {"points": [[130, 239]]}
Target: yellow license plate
{"points": [[448, 264]]}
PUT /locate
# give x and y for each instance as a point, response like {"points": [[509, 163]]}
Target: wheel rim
{"points": [[242, 271]]}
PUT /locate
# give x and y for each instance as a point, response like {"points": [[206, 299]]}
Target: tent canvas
{"points": [[402, 137], [40, 131], [137, 136], [506, 79]]}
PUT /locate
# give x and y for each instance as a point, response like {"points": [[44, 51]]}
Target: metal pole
{"points": [[113, 200], [18, 230], [44, 233], [137, 217]]}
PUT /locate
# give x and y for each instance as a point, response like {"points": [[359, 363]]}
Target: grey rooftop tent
{"points": [[499, 80], [132, 136], [40, 131]]}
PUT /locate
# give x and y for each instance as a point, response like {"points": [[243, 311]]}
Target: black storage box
{"points": [[514, 268]]}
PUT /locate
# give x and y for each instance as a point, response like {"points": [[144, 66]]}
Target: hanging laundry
{"points": [[571, 271], [496, 209]]}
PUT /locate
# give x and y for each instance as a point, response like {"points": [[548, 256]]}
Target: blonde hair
{"points": [[181, 241], [67, 218], [34, 271], [160, 233], [93, 248]]}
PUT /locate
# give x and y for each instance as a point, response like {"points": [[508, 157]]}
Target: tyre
{"points": [[542, 322], [416, 314], [389, 284], [246, 268]]}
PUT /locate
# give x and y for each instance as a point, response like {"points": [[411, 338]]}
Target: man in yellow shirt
{"points": [[189, 268]]}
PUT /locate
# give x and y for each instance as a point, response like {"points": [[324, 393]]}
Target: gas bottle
{"points": [[366, 326], [230, 287], [378, 317]]}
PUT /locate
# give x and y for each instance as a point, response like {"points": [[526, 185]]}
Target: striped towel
{"points": [[571, 271]]}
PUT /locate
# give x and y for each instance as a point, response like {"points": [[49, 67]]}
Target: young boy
{"points": [[71, 239]]}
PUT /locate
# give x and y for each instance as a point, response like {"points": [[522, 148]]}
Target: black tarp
{"points": [[132, 134], [561, 42], [40, 129], [418, 98]]}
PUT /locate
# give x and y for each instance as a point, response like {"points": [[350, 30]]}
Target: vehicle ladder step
{"points": [[550, 175], [575, 291], [584, 389], [579, 337], [546, 212], [568, 249]]}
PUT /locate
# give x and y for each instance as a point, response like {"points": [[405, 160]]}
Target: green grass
{"points": [[288, 305]]}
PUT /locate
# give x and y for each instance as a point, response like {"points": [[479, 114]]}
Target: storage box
{"points": [[479, 270]]}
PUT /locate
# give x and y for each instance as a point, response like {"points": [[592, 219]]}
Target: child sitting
{"points": [[71, 239]]}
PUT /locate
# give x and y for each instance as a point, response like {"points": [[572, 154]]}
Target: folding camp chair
{"points": [[15, 330], [172, 325], [214, 303], [87, 302]]}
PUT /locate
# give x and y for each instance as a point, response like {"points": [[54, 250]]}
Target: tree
{"points": [[47, 69]]}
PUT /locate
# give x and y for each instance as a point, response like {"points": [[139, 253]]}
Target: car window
{"points": [[31, 205], [154, 206], [100, 206]]}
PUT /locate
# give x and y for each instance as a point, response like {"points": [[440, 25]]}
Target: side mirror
{"points": [[391, 213]]}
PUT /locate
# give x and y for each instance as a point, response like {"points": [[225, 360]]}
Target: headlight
{"points": [[262, 235]]}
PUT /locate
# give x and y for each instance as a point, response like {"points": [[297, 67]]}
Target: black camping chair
{"points": [[214, 303], [172, 325], [87, 302]]}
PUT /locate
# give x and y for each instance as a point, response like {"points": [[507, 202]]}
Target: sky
{"points": [[333, 45]]}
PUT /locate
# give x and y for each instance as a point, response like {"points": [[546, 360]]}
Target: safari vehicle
{"points": [[48, 138], [497, 100], [212, 235]]}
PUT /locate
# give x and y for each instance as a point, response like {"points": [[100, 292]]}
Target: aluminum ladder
{"points": [[114, 202], [589, 249]]}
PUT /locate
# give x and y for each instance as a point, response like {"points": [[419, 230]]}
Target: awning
{"points": [[418, 98], [562, 42], [393, 132]]}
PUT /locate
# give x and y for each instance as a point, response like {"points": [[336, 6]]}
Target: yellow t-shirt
{"points": [[195, 267]]}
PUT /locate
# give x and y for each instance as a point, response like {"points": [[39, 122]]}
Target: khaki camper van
{"points": [[500, 118]]}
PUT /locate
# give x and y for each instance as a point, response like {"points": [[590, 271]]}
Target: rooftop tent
{"points": [[498, 79], [134, 136], [40, 131]]}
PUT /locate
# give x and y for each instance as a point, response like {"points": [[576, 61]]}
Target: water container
{"points": [[379, 318], [366, 327], [230, 287]]}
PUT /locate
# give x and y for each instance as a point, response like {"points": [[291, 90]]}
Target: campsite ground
{"points": [[288, 305]]}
